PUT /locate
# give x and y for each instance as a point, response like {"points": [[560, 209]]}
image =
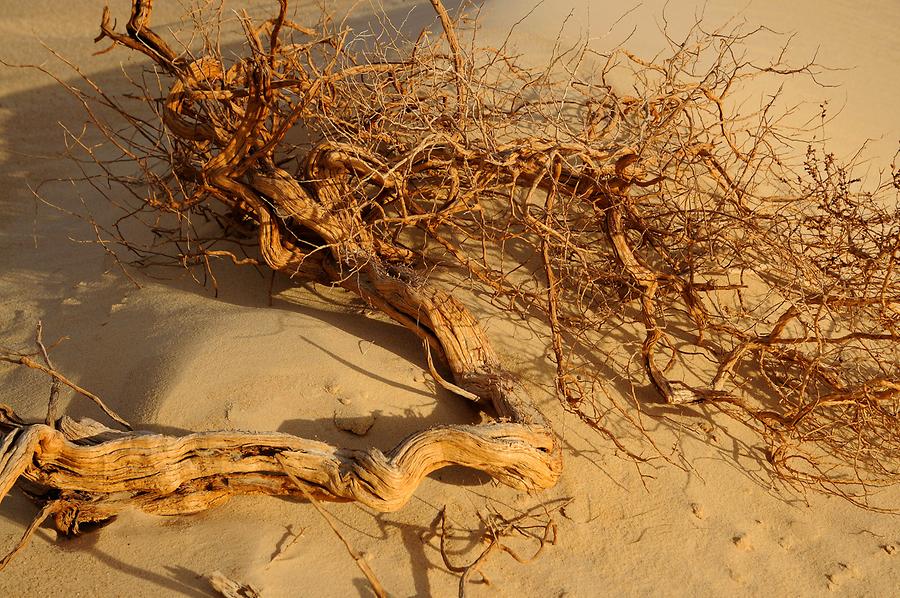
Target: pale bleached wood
{"points": [[181, 474]]}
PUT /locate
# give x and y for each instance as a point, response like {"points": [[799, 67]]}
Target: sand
{"points": [[173, 357]]}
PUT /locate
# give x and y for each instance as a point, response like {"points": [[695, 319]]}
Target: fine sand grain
{"points": [[172, 357]]}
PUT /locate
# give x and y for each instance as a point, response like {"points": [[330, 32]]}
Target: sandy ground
{"points": [[171, 357]]}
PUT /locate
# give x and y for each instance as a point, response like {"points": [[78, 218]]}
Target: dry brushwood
{"points": [[91, 472], [535, 525], [664, 245]]}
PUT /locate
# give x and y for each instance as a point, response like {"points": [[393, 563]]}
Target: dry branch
{"points": [[357, 557], [229, 588], [662, 244], [497, 529]]}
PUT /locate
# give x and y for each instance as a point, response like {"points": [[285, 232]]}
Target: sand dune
{"points": [[171, 357]]}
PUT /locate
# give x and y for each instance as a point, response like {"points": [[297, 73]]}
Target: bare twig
{"points": [[357, 558], [27, 361]]}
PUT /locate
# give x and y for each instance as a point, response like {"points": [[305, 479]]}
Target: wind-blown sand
{"points": [[172, 357]]}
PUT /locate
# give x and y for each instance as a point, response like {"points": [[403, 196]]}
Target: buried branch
{"points": [[169, 475], [87, 473]]}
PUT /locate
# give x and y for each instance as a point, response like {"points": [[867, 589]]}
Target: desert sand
{"points": [[173, 357]]}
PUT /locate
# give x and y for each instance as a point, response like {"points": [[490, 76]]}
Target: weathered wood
{"points": [[171, 475]]}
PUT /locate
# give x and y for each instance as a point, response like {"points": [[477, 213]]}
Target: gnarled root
{"points": [[170, 475], [89, 472]]}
